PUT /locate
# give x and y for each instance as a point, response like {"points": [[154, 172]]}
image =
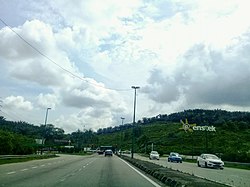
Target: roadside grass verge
{"points": [[80, 153], [24, 158]]}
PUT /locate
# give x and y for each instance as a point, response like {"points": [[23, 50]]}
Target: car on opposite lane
{"points": [[154, 155], [174, 157], [210, 160]]}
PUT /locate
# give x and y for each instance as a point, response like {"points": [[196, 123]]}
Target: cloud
{"points": [[17, 102], [181, 53], [206, 76], [28, 64], [89, 118], [47, 100]]}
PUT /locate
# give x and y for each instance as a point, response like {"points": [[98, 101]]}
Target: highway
{"points": [[70, 170], [229, 176]]}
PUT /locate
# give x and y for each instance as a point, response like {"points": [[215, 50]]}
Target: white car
{"points": [[154, 155], [210, 160]]}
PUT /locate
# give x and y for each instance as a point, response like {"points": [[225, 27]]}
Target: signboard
{"points": [[193, 127]]}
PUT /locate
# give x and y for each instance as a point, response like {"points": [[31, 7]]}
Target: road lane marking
{"points": [[24, 169], [144, 176], [12, 172], [34, 167], [42, 165]]}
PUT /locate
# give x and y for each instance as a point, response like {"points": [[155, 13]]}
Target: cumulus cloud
{"points": [[181, 53], [28, 64], [89, 118], [206, 76], [18, 102], [47, 100]]}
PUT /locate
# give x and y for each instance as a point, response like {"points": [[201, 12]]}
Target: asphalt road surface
{"points": [[68, 170], [229, 176]]}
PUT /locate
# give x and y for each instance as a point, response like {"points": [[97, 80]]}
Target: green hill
{"points": [[166, 133]]}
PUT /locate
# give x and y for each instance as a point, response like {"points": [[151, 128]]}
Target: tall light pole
{"points": [[122, 118], [45, 123], [133, 133], [46, 116]]}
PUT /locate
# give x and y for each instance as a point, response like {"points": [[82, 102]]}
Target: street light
{"points": [[45, 123], [133, 138], [46, 116], [122, 118]]}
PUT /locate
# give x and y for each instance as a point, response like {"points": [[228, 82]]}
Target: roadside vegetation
{"points": [[9, 159]]}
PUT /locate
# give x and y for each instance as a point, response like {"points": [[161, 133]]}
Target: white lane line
{"points": [[42, 165], [12, 172], [62, 180], [34, 167], [144, 176], [24, 169]]}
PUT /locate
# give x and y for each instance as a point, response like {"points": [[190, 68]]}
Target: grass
{"points": [[25, 159], [80, 153]]}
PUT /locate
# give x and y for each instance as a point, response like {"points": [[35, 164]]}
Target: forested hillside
{"points": [[164, 132]]}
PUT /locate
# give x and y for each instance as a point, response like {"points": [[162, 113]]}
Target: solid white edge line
{"points": [[12, 172], [144, 176]]}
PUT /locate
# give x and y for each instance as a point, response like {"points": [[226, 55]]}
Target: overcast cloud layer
{"points": [[86, 55]]}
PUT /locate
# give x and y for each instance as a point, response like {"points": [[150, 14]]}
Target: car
{"points": [[154, 155], [100, 152], [126, 152], [108, 152], [210, 161], [174, 157]]}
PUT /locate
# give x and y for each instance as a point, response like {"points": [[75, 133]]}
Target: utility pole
{"points": [[133, 133]]}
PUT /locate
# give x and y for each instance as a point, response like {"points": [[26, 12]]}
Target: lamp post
{"points": [[45, 122], [122, 118], [133, 133], [46, 116]]}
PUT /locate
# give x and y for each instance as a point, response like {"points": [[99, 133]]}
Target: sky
{"points": [[81, 58]]}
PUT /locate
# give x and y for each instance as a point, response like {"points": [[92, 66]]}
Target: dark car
{"points": [[174, 157], [100, 152], [108, 152]]}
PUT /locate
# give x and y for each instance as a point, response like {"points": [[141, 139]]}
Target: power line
{"points": [[52, 61], [11, 117]]}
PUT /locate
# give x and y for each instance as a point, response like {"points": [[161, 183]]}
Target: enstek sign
{"points": [[193, 127], [204, 128]]}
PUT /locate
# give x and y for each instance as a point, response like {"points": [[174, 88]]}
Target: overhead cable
{"points": [[55, 63]]}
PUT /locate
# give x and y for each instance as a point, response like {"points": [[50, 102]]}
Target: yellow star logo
{"points": [[186, 126]]}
